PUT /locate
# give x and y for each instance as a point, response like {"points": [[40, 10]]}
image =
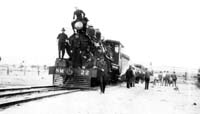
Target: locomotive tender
{"points": [[89, 53]]}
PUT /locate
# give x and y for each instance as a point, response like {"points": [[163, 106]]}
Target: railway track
{"points": [[13, 96]]}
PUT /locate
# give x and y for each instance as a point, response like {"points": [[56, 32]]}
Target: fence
{"points": [[13, 70]]}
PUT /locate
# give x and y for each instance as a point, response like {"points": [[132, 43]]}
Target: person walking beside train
{"points": [[129, 75], [101, 69], [62, 37], [165, 78], [133, 77], [102, 79], [174, 79], [147, 79]]}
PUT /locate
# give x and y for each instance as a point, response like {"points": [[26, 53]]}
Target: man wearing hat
{"points": [[147, 79], [79, 14], [62, 37], [174, 78], [129, 75], [101, 69]]}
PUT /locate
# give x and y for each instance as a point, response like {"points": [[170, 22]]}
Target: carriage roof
{"points": [[114, 42]]}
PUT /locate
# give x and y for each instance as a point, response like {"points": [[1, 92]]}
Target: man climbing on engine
{"points": [[76, 51], [79, 14], [79, 20], [62, 37]]}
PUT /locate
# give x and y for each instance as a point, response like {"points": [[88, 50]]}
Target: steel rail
{"points": [[11, 103], [23, 88], [29, 91]]}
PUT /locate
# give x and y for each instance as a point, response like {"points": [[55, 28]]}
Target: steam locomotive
{"points": [[89, 53]]}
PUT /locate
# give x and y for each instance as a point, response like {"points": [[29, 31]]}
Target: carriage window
{"points": [[117, 49]]}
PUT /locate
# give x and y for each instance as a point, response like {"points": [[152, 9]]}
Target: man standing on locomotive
{"points": [[79, 15], [76, 51], [62, 37]]}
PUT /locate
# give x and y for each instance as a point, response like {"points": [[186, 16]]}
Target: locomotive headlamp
{"points": [[78, 25]]}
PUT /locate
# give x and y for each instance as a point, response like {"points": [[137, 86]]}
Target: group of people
{"points": [[165, 78], [84, 47], [131, 76]]}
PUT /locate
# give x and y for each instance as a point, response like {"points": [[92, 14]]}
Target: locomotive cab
{"points": [[119, 61]]}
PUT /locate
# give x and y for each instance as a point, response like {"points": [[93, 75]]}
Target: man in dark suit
{"points": [[129, 75], [133, 78], [62, 37], [147, 79], [174, 78], [102, 79], [78, 14], [101, 69]]}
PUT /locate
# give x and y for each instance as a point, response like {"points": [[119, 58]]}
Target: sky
{"points": [[161, 32]]}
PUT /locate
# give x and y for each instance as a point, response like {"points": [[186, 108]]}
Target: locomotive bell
{"points": [[78, 25]]}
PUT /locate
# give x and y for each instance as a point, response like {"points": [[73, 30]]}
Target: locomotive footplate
{"points": [[81, 78], [85, 72], [72, 78]]}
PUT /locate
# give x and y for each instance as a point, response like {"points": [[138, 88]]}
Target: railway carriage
{"points": [[198, 76]]}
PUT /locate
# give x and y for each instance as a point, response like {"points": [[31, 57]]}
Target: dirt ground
{"points": [[119, 100], [10, 81]]}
